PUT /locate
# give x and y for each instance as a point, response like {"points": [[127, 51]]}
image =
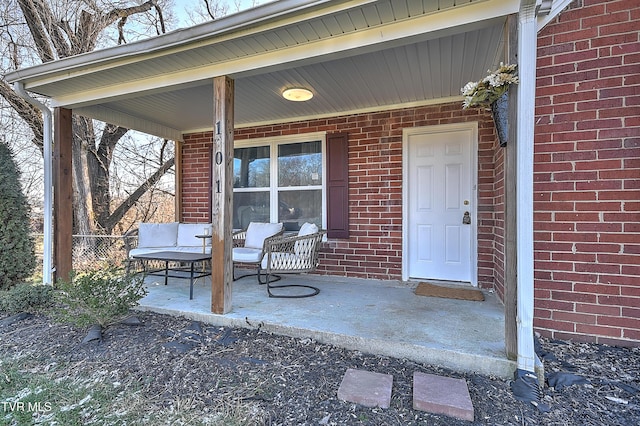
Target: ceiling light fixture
{"points": [[297, 94]]}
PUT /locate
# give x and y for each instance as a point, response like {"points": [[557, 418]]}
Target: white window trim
{"points": [[273, 143]]}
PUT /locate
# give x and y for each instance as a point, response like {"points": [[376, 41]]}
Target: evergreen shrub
{"points": [[26, 297], [17, 250]]}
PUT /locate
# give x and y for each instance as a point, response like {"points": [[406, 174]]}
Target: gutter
{"points": [[47, 264], [526, 384]]}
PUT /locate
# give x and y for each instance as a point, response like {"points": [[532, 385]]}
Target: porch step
{"points": [[442, 395], [366, 388]]}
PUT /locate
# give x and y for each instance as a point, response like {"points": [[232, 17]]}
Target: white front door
{"points": [[440, 203]]}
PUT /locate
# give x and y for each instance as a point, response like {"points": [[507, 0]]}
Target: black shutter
{"points": [[338, 185]]}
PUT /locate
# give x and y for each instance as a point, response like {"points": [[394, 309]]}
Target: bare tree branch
{"points": [[77, 30], [209, 11], [162, 26], [32, 15], [121, 24], [120, 211], [30, 114]]}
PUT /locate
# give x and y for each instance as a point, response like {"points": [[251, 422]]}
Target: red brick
{"points": [[619, 322], [598, 309], [618, 301], [575, 297], [554, 305], [631, 291], [631, 312], [574, 317], [598, 330], [553, 324], [597, 289]]}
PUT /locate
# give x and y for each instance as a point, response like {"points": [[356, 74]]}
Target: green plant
{"points": [[490, 88], [98, 297], [26, 297], [17, 253]]}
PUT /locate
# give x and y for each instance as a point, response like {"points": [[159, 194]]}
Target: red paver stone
{"points": [[442, 395], [366, 388]]}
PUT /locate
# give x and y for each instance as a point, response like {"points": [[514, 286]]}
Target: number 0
{"points": [[218, 157]]}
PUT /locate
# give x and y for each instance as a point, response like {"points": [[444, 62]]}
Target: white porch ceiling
{"points": [[354, 56]]}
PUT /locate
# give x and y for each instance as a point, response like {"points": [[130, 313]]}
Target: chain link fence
{"points": [[91, 252]]}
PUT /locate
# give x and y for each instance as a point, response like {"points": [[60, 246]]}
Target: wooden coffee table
{"points": [[187, 263]]}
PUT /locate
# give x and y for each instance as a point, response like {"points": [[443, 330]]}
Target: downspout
{"points": [[525, 386], [47, 264]]}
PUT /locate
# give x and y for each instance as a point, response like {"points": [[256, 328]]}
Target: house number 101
{"points": [[218, 160]]}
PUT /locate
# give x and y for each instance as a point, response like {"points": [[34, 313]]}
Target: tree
{"points": [[60, 29], [17, 258]]}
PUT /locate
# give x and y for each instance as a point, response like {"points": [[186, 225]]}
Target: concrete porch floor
{"points": [[377, 317]]}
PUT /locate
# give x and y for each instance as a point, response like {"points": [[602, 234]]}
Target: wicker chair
{"points": [[249, 245], [292, 255]]}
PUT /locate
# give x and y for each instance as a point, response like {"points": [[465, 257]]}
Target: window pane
{"points": [[250, 207], [298, 207], [251, 167], [300, 164]]}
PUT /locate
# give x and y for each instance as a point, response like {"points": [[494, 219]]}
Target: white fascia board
{"points": [[448, 22], [108, 115]]}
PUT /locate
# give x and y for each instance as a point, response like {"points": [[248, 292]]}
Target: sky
{"points": [[181, 7]]}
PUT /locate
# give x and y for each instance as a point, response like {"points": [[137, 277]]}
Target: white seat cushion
{"points": [[145, 250], [247, 254], [192, 249], [308, 229], [157, 234], [187, 234], [257, 232], [305, 248], [183, 249]]}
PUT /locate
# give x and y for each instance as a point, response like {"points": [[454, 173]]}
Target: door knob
{"points": [[466, 219]]}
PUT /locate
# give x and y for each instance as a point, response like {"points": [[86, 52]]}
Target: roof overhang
{"points": [[354, 55]]}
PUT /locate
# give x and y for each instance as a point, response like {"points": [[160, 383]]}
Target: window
{"points": [[279, 181]]}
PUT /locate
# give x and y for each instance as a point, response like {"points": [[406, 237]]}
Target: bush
{"points": [[26, 297], [98, 297], [17, 252]]}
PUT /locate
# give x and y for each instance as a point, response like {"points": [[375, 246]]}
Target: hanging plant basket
{"points": [[493, 91], [500, 111]]}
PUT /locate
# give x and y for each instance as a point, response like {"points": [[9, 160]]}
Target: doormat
{"points": [[432, 290]]}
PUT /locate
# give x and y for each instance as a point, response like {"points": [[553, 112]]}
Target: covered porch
{"points": [[378, 317], [206, 85]]}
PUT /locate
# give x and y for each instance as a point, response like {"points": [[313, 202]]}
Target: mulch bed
{"points": [[291, 381]]}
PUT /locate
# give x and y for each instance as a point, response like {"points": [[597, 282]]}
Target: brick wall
{"points": [[196, 178], [587, 174], [374, 249]]}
